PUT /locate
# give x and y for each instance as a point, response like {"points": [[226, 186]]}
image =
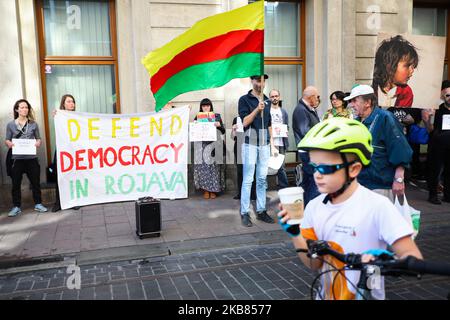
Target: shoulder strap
{"points": [[20, 132]]}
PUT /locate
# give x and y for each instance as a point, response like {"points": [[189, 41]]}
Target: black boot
{"points": [[56, 207], [434, 199]]}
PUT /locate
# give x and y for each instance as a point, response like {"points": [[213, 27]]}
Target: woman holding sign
{"points": [[68, 104], [207, 173], [22, 138]]}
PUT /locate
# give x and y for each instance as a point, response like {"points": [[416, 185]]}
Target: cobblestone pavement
{"points": [[270, 272]]}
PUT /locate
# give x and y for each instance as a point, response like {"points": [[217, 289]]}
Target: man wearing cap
{"points": [[439, 148], [392, 153], [256, 149], [303, 119]]}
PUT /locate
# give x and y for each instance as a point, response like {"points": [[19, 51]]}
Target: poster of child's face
{"points": [[408, 70]]}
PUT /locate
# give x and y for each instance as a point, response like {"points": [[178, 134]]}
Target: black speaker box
{"points": [[148, 217]]}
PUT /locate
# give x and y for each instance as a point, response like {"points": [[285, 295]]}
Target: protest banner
{"points": [[111, 157]]}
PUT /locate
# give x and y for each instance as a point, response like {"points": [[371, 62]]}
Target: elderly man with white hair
{"points": [[304, 118]]}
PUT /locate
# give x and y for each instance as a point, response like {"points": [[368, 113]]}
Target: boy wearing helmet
{"points": [[350, 217]]}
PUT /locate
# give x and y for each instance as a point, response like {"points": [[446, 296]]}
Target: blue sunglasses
{"points": [[329, 168]]}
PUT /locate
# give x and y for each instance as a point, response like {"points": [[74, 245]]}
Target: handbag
{"points": [[418, 135], [9, 163], [9, 159], [411, 215], [274, 164]]}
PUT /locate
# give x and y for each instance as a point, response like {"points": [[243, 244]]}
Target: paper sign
{"points": [[279, 130], [446, 122], [239, 125], [24, 147], [202, 131], [206, 117]]}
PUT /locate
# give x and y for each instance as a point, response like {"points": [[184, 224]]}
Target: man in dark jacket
{"points": [[256, 149], [439, 148], [304, 118], [392, 152]]}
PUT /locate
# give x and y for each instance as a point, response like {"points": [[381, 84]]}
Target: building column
{"points": [[330, 42], [19, 64]]}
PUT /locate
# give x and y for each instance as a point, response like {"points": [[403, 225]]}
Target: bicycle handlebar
{"points": [[427, 267], [387, 264]]}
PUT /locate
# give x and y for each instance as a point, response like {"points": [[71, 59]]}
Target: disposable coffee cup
{"points": [[292, 201]]}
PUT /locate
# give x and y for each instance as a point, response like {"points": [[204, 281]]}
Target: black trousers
{"points": [[32, 169], [55, 168], [438, 158], [283, 181], [415, 163]]}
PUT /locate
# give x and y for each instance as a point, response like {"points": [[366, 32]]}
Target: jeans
{"points": [[238, 161], [308, 184], [282, 176], [254, 157]]}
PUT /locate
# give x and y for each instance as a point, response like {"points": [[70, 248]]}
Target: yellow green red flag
{"points": [[214, 51]]}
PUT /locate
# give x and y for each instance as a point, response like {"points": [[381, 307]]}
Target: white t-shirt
{"points": [[277, 117], [387, 99], [364, 221]]}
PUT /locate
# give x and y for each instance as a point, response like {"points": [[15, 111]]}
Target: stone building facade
{"points": [[333, 43]]}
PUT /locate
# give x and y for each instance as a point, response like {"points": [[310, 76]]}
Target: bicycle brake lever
{"points": [[353, 260], [317, 248]]}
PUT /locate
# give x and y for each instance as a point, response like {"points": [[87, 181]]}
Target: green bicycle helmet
{"points": [[342, 135]]}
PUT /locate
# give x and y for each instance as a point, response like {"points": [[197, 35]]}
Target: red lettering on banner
{"points": [[105, 156], [92, 155], [79, 158], [148, 153], [155, 153], [124, 163], [134, 153], [176, 150], [61, 158], [98, 158]]}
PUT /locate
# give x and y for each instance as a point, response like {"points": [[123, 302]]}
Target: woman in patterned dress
{"points": [[207, 170]]}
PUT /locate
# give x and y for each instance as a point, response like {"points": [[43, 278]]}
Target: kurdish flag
{"points": [[210, 54]]}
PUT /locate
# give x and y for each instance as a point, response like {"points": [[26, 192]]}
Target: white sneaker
{"points": [[14, 212], [40, 208]]}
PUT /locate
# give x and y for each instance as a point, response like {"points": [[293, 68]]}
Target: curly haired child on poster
{"points": [[395, 62]]}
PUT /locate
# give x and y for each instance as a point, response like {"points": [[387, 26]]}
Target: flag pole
{"points": [[262, 99], [262, 93]]}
